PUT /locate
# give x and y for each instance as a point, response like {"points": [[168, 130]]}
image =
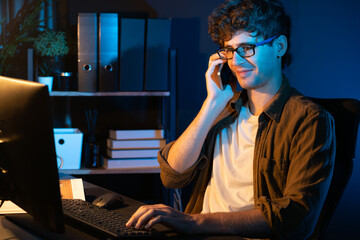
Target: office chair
{"points": [[346, 113]]}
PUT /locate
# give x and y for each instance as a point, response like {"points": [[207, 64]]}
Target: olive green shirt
{"points": [[293, 162]]}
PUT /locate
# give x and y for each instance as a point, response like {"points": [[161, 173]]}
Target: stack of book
{"points": [[134, 148]]}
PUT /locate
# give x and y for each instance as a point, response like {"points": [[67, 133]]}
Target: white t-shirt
{"points": [[230, 188]]}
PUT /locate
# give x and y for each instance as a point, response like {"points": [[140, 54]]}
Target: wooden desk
{"points": [[9, 230]]}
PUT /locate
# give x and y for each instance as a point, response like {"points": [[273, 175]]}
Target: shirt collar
{"points": [[276, 106], [238, 100], [274, 109]]}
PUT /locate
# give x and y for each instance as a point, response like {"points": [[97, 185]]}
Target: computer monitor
{"points": [[27, 152]]}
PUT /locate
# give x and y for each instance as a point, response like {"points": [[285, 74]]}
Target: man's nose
{"points": [[237, 59]]}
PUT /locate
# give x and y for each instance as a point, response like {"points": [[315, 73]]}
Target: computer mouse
{"points": [[109, 201]]}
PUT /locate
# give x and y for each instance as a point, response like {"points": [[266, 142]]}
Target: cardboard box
{"points": [[68, 144]]}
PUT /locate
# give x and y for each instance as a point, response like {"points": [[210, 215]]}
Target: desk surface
{"points": [[9, 230]]}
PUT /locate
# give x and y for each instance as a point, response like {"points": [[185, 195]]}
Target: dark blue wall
{"points": [[326, 63], [326, 51]]}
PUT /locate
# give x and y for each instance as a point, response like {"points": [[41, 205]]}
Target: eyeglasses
{"points": [[244, 50]]}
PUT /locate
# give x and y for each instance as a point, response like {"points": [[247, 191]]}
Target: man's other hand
{"points": [[149, 215]]}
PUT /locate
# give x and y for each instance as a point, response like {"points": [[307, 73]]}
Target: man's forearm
{"points": [[186, 149], [246, 223]]}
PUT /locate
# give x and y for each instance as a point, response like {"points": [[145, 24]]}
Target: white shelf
{"points": [[101, 170], [92, 94]]}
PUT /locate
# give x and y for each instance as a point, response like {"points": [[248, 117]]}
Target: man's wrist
{"points": [[247, 223], [199, 223], [214, 104]]}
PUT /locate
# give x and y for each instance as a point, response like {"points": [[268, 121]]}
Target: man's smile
{"points": [[243, 72]]}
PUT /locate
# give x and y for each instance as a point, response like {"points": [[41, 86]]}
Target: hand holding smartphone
{"points": [[225, 75]]}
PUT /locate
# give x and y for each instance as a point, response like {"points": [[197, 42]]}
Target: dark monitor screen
{"points": [[27, 152]]}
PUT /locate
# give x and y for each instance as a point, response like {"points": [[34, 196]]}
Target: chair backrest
{"points": [[346, 113]]}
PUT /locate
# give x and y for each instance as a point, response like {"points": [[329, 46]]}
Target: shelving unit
{"points": [[109, 94], [144, 180], [165, 102]]}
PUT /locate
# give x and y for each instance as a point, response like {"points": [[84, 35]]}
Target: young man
{"points": [[261, 159]]}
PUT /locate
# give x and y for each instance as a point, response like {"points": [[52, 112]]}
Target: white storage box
{"points": [[68, 144]]}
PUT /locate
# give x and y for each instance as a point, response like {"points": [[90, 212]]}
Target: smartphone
{"points": [[226, 76]]}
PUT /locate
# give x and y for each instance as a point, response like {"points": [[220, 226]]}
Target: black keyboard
{"points": [[108, 224]]}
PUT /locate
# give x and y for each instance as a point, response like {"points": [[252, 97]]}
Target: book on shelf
{"points": [[130, 163], [136, 144], [132, 153], [137, 134]]}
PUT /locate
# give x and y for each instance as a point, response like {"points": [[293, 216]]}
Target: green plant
{"points": [[50, 45], [19, 32]]}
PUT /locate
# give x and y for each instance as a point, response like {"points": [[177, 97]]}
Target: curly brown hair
{"points": [[265, 18]]}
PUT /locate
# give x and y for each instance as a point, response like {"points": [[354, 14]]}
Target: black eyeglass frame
{"points": [[242, 46]]}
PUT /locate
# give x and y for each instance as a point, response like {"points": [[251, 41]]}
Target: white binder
{"points": [[87, 52], [108, 52]]}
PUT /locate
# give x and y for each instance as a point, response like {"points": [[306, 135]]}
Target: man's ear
{"points": [[281, 45]]}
